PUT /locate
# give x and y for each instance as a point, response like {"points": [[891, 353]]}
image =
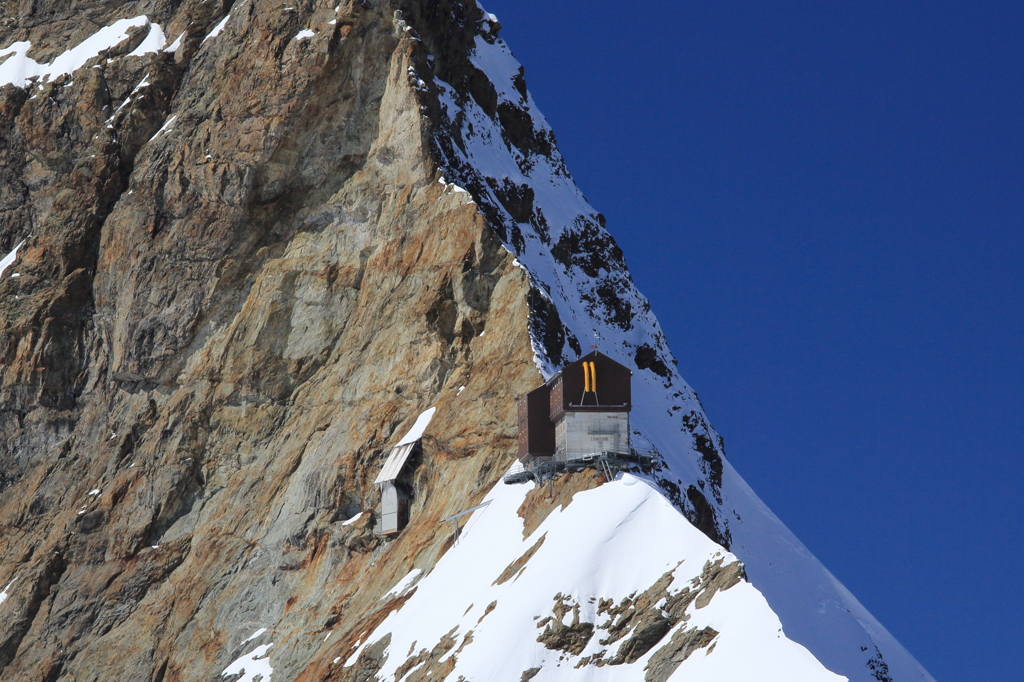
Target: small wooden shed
{"points": [[394, 497]]}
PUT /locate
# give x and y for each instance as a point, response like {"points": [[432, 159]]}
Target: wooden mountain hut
{"points": [[582, 411]]}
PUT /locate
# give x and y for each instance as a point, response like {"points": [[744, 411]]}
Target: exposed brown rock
{"points": [[554, 494], [517, 566], [490, 607], [572, 638], [683, 643], [717, 577], [641, 624], [370, 661], [223, 328], [424, 665]]}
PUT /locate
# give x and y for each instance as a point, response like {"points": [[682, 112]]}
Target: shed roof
{"points": [[592, 355], [396, 460]]}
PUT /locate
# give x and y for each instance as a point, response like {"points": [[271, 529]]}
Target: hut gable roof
{"points": [[569, 387], [592, 356]]}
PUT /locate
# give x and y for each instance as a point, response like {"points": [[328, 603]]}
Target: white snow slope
{"points": [[610, 543], [618, 539]]}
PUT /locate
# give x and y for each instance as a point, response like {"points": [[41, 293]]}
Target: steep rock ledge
{"points": [[220, 330]]}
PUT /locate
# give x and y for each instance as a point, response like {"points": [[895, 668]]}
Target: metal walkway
{"points": [[540, 470]]}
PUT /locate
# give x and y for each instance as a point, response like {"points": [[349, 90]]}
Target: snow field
{"points": [[609, 543]]}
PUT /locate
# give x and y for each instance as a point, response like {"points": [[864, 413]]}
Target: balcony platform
{"points": [[542, 469]]}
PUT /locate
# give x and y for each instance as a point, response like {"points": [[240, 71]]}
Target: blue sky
{"points": [[824, 202]]}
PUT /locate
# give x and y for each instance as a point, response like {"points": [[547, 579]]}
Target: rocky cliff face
{"points": [[254, 241]]}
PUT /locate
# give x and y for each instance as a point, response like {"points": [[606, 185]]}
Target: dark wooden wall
{"points": [[614, 389], [536, 431]]}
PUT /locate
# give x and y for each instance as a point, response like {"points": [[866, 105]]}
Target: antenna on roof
{"points": [[597, 340]]}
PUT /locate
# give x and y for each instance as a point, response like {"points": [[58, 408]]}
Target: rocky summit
{"points": [[253, 246]]}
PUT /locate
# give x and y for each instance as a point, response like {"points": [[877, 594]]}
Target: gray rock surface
{"points": [[222, 327]]}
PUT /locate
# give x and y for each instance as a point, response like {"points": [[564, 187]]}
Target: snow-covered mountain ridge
{"points": [[562, 241], [245, 261], [614, 599]]}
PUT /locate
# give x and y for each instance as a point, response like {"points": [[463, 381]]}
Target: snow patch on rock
{"points": [[416, 432], [352, 520], [166, 127], [3, 594], [254, 665], [403, 585], [254, 635], [218, 28], [152, 43], [19, 68], [7, 260], [173, 47]]}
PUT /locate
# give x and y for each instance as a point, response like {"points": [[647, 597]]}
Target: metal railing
{"points": [[573, 460], [519, 473], [626, 453], [577, 455], [646, 454]]}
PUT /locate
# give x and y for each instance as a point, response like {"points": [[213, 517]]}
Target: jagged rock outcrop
{"points": [[254, 242], [220, 328]]}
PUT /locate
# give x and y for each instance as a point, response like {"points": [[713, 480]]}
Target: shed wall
{"points": [[389, 509], [536, 432], [585, 433]]}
